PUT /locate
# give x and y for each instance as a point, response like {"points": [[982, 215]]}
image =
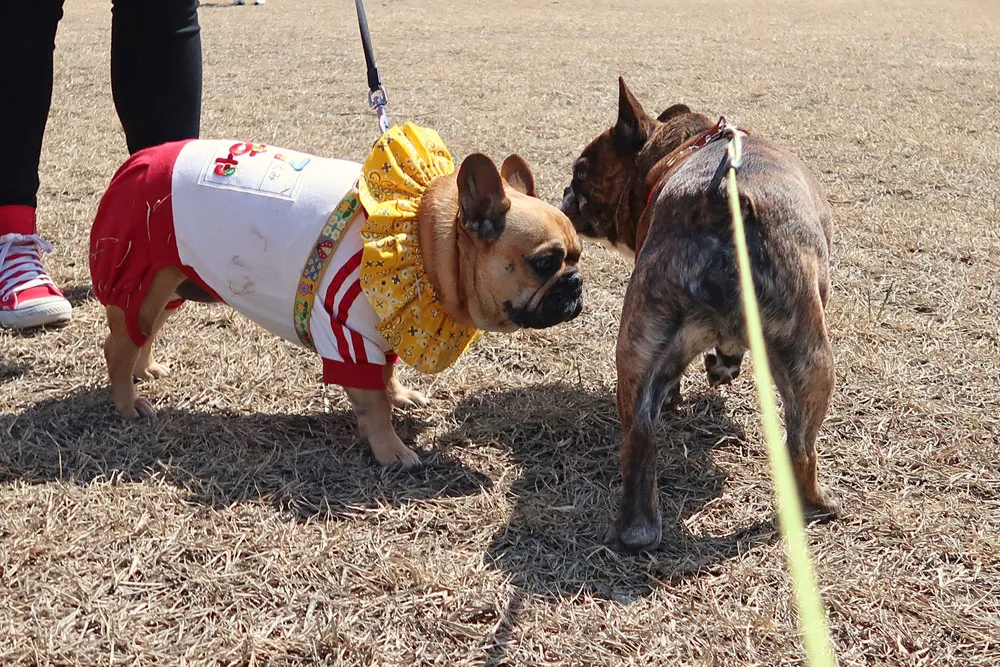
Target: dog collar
{"points": [[722, 129], [412, 320]]}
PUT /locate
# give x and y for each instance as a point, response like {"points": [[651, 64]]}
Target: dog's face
{"points": [[595, 199], [518, 254], [604, 199]]}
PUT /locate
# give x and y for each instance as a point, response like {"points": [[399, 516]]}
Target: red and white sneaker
{"points": [[28, 297]]}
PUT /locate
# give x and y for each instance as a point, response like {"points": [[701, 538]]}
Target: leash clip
{"points": [[734, 149], [378, 100]]}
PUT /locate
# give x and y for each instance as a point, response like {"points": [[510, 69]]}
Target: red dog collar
{"points": [[721, 129]]}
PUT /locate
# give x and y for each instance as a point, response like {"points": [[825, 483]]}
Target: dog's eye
{"points": [[547, 264], [580, 171]]}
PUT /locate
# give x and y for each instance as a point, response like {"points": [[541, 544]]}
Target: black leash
{"points": [[377, 98]]}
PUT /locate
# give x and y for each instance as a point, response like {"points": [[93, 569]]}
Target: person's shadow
{"points": [[307, 465], [565, 440]]}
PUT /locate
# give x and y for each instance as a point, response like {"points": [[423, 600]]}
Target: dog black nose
{"points": [[561, 303], [569, 205], [572, 280]]}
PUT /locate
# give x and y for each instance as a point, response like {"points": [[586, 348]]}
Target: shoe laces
{"points": [[21, 263]]}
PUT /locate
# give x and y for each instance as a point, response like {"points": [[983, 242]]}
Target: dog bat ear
{"points": [[676, 110], [632, 127], [518, 175], [482, 203]]}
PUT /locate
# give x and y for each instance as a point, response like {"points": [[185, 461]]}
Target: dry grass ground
{"points": [[248, 525]]}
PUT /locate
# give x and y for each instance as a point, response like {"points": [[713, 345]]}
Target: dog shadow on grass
{"points": [[307, 465], [78, 295], [566, 439], [12, 370]]}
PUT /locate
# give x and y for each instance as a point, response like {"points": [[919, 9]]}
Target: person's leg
{"points": [[156, 70], [28, 297]]}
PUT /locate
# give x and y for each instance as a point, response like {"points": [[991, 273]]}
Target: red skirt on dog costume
{"points": [[242, 220]]}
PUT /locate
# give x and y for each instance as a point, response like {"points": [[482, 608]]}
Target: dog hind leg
{"points": [[123, 356], [146, 367], [804, 374], [650, 360], [152, 314]]}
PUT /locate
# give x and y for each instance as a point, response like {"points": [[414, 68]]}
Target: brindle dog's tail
{"points": [[659, 386]]}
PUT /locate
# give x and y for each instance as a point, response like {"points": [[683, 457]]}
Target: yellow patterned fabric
{"points": [[412, 320]]}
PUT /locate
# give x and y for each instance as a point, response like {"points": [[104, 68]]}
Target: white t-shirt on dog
{"points": [[246, 217]]}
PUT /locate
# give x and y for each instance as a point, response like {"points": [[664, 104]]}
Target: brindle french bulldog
{"points": [[653, 188]]}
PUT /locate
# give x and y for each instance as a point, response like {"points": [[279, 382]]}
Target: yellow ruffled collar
{"points": [[412, 320]]}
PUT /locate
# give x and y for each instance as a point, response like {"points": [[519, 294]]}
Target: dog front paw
{"points": [[392, 452], [632, 534], [401, 397], [722, 368]]}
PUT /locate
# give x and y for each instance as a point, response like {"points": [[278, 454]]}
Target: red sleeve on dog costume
{"points": [[357, 361], [133, 234], [357, 376]]}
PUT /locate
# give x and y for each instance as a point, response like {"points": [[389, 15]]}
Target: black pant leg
{"points": [[156, 70], [27, 40]]}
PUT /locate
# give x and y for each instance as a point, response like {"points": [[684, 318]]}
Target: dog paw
{"points": [[722, 368], [395, 453], [154, 371], [144, 407], [640, 533], [825, 508], [135, 408], [408, 398]]}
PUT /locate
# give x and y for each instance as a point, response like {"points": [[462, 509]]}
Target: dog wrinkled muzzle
{"points": [[563, 302]]}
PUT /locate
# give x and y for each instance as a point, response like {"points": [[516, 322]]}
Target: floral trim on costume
{"points": [[322, 251]]}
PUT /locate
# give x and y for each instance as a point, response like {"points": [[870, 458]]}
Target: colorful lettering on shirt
{"points": [[297, 165], [226, 166], [246, 147]]}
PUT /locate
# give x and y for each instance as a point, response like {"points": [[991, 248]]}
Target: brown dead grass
{"points": [[248, 524]]}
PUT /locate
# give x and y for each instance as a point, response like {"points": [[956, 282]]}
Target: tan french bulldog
{"points": [[414, 261]]}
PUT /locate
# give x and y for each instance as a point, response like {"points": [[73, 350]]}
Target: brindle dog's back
{"points": [[788, 234]]}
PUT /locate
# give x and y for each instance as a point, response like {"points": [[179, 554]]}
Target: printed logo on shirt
{"points": [[256, 168], [226, 166]]}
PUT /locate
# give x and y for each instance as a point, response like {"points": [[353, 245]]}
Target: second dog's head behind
{"points": [[607, 194]]}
